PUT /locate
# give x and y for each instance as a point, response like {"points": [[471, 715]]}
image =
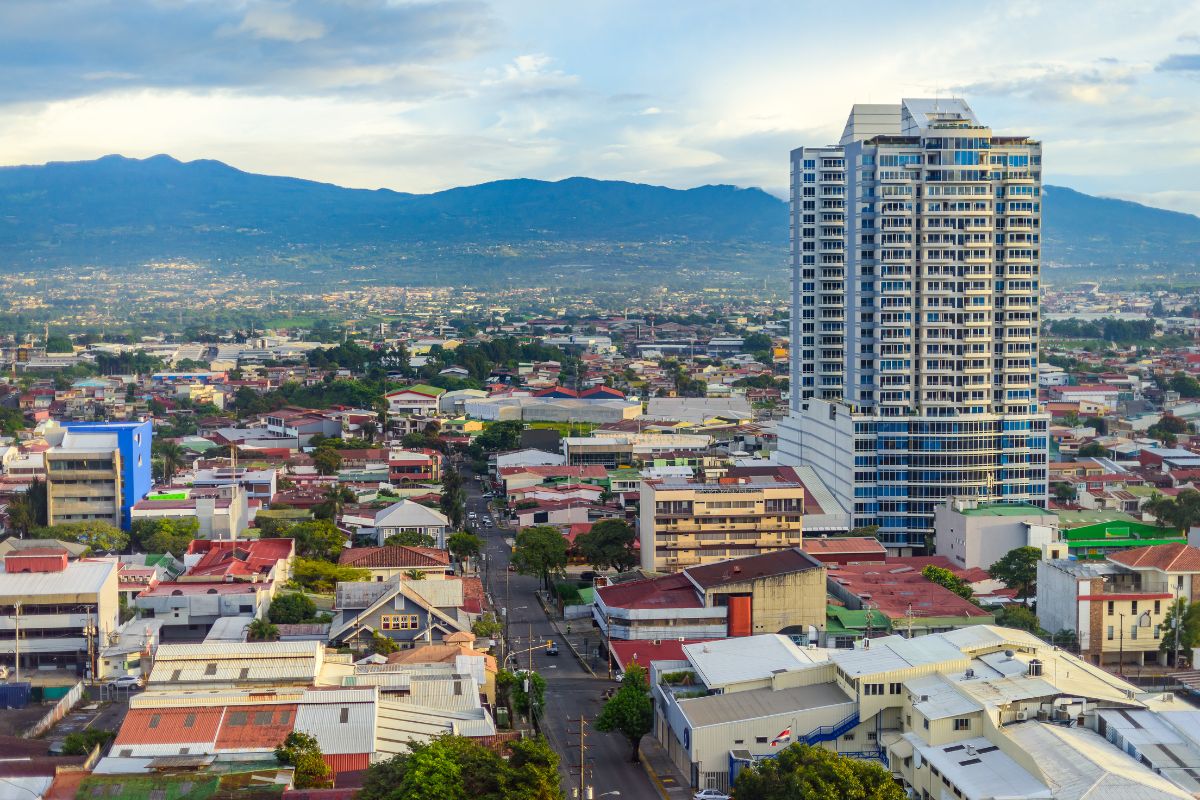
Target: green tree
{"points": [[319, 538], [1185, 384], [28, 510], [945, 578], [463, 545], [801, 772], [532, 771], [452, 500], [301, 751], [59, 343], [98, 535], [291, 609], [410, 539], [327, 460], [1064, 492], [321, 576], [164, 534], [1187, 617], [540, 550], [1100, 424], [757, 342], [521, 687], [630, 711], [865, 531], [1017, 569], [608, 545], [487, 626], [1093, 450], [1182, 511], [1019, 615], [80, 743], [382, 644], [261, 630], [170, 456], [336, 498]]}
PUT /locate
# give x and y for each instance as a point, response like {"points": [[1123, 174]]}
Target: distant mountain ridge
{"points": [[119, 211]]}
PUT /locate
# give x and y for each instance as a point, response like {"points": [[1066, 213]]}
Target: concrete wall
{"points": [[781, 601]]}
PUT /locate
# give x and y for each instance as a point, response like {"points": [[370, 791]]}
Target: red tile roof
{"points": [[1166, 557], [590, 471], [394, 556], [898, 585], [849, 545], [669, 591], [765, 565], [243, 558]]}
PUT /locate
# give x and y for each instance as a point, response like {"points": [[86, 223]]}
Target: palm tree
{"points": [[172, 456], [415, 575], [336, 497], [260, 630]]}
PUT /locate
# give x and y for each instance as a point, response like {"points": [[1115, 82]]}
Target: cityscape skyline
{"points": [[424, 97]]}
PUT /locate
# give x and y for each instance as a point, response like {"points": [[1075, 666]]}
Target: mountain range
{"points": [[117, 211]]}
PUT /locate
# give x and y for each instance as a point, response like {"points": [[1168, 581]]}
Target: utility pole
{"points": [[530, 646], [17, 638], [582, 760]]}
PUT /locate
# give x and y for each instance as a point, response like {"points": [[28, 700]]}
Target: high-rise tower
{"points": [[915, 277]]}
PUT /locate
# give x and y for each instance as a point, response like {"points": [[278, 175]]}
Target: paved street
{"points": [[570, 689]]}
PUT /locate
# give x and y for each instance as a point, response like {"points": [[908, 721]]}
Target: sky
{"points": [[422, 96]]}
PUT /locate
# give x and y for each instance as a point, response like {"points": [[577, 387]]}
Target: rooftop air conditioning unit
{"points": [[1022, 716]]}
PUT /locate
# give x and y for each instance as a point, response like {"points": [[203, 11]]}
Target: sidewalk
{"points": [[662, 771], [583, 640]]}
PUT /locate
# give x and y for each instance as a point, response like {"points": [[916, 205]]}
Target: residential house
{"points": [[407, 611], [387, 562], [404, 516]]}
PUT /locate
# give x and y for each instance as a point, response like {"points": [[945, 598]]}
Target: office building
{"points": [[915, 277], [96, 471], [686, 523], [61, 610]]}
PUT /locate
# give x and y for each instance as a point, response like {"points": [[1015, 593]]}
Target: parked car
{"points": [[710, 794], [125, 682]]}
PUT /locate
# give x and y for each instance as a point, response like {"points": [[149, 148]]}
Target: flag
{"points": [[785, 735]]}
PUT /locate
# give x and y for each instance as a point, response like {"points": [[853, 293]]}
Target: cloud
{"points": [[277, 22], [67, 48], [1059, 83], [1180, 62]]}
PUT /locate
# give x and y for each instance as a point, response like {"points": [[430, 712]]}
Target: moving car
{"points": [[552, 650], [710, 794]]}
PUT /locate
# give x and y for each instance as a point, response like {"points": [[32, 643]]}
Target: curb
{"points": [[658, 784], [558, 629]]}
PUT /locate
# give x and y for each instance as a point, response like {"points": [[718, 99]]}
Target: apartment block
{"points": [[97, 471], [916, 261], [686, 523]]}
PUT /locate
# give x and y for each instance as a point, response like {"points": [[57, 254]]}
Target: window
{"points": [[1133, 607], [211, 669], [760, 740], [849, 737], [1110, 633], [925, 722], [398, 622], [237, 718], [285, 717], [962, 724], [262, 717], [154, 720], [345, 715], [1110, 608], [895, 688], [189, 721], [1158, 606], [873, 688]]}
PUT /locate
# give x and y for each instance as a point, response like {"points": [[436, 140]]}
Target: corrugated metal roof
{"points": [[340, 727], [748, 658], [249, 649], [79, 579], [719, 709]]}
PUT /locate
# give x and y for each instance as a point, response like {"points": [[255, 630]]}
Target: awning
{"points": [[901, 749]]}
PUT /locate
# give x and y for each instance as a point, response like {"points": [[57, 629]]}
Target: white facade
{"points": [[915, 283]]}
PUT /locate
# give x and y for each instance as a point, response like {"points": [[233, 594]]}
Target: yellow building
{"points": [[687, 523]]}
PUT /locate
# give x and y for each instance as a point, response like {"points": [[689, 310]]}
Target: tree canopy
{"points": [[801, 772], [945, 578], [608, 545], [291, 609], [541, 550], [318, 538], [1187, 617], [300, 750], [1017, 569], [630, 711], [98, 535], [164, 534], [1182, 511], [452, 767]]}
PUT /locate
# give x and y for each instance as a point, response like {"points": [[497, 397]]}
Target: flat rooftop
{"points": [[719, 709]]}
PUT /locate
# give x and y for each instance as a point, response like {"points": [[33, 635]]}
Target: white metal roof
{"points": [[894, 653], [342, 720], [748, 658], [79, 578], [938, 698], [980, 769], [407, 513], [719, 709], [1079, 764]]}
